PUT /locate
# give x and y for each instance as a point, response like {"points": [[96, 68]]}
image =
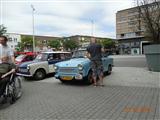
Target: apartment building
{"points": [[13, 40], [41, 41], [130, 31]]}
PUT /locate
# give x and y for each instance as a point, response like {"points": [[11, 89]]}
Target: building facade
{"points": [[13, 40], [41, 42], [130, 31]]}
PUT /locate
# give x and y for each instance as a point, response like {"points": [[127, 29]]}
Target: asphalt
{"points": [[129, 93]]}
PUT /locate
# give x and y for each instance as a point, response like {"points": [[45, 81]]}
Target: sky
{"points": [[62, 18]]}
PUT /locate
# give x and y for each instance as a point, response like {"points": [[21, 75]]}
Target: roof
{"points": [[57, 52]]}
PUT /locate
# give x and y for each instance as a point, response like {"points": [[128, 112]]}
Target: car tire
{"points": [[16, 91], [39, 74], [18, 86], [109, 69], [88, 79]]}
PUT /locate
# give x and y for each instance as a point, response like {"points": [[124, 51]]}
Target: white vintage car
{"points": [[42, 65]]}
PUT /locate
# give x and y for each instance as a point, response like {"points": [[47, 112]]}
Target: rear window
{"points": [[20, 58]]}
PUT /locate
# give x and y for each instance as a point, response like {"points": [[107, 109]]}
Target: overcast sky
{"points": [[63, 17]]}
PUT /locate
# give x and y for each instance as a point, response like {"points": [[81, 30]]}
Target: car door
{"points": [[52, 59]]}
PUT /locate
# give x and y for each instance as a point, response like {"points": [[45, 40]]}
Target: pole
{"points": [[33, 36], [92, 24]]}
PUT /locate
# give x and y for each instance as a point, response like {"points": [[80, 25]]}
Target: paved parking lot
{"points": [[123, 98]]}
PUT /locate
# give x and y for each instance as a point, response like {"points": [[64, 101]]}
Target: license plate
{"points": [[23, 70], [67, 78]]}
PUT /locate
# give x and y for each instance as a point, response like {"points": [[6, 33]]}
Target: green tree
{"points": [[107, 43], [26, 41], [149, 13], [70, 44], [3, 30], [54, 44]]}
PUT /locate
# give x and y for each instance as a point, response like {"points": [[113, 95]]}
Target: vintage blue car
{"points": [[42, 65], [79, 67]]}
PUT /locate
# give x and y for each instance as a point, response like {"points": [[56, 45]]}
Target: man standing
{"points": [[5, 50], [95, 55]]}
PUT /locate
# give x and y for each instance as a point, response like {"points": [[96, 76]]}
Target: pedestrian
{"points": [[94, 53], [49, 49], [5, 50]]}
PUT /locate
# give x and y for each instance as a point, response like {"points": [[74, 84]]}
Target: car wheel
{"points": [[16, 89], [18, 86], [88, 79], [40, 74], [109, 69]]}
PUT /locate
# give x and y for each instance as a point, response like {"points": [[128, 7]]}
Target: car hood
{"points": [[25, 64], [73, 62]]}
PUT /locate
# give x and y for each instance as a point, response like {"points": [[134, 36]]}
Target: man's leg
{"points": [[2, 86], [94, 74], [100, 72]]}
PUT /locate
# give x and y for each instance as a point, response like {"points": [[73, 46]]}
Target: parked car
{"points": [[42, 65], [24, 58], [79, 67]]}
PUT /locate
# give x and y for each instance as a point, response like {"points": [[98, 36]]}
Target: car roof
{"points": [[57, 52]]}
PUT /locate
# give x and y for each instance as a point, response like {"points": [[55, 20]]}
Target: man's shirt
{"points": [[6, 51], [6, 67], [95, 51]]}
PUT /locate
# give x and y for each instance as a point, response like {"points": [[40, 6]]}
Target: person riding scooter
{"points": [[6, 69]]}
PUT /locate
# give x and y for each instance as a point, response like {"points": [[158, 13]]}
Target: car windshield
{"points": [[42, 56], [79, 54], [20, 58]]}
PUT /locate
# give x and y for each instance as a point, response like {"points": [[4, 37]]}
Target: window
{"points": [[9, 39], [132, 34], [54, 56], [122, 35], [29, 58], [15, 39]]}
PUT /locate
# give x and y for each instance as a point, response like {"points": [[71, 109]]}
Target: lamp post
{"points": [[33, 37], [92, 25]]}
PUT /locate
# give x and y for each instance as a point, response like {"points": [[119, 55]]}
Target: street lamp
{"points": [[92, 25], [33, 37]]}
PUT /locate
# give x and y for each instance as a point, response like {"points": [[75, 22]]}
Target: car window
{"points": [[50, 57], [20, 57], [59, 56], [42, 56], [29, 58], [79, 54], [64, 56]]}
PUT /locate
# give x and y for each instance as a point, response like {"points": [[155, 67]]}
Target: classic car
{"points": [[42, 65], [79, 67], [24, 58]]}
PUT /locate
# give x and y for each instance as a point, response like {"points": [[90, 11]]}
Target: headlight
{"points": [[28, 67], [80, 67], [55, 67]]}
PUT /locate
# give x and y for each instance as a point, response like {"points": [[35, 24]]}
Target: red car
{"points": [[26, 56]]}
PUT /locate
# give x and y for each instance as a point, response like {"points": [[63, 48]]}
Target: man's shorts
{"points": [[97, 68]]}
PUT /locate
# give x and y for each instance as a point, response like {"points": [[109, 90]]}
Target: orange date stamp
{"points": [[137, 109]]}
